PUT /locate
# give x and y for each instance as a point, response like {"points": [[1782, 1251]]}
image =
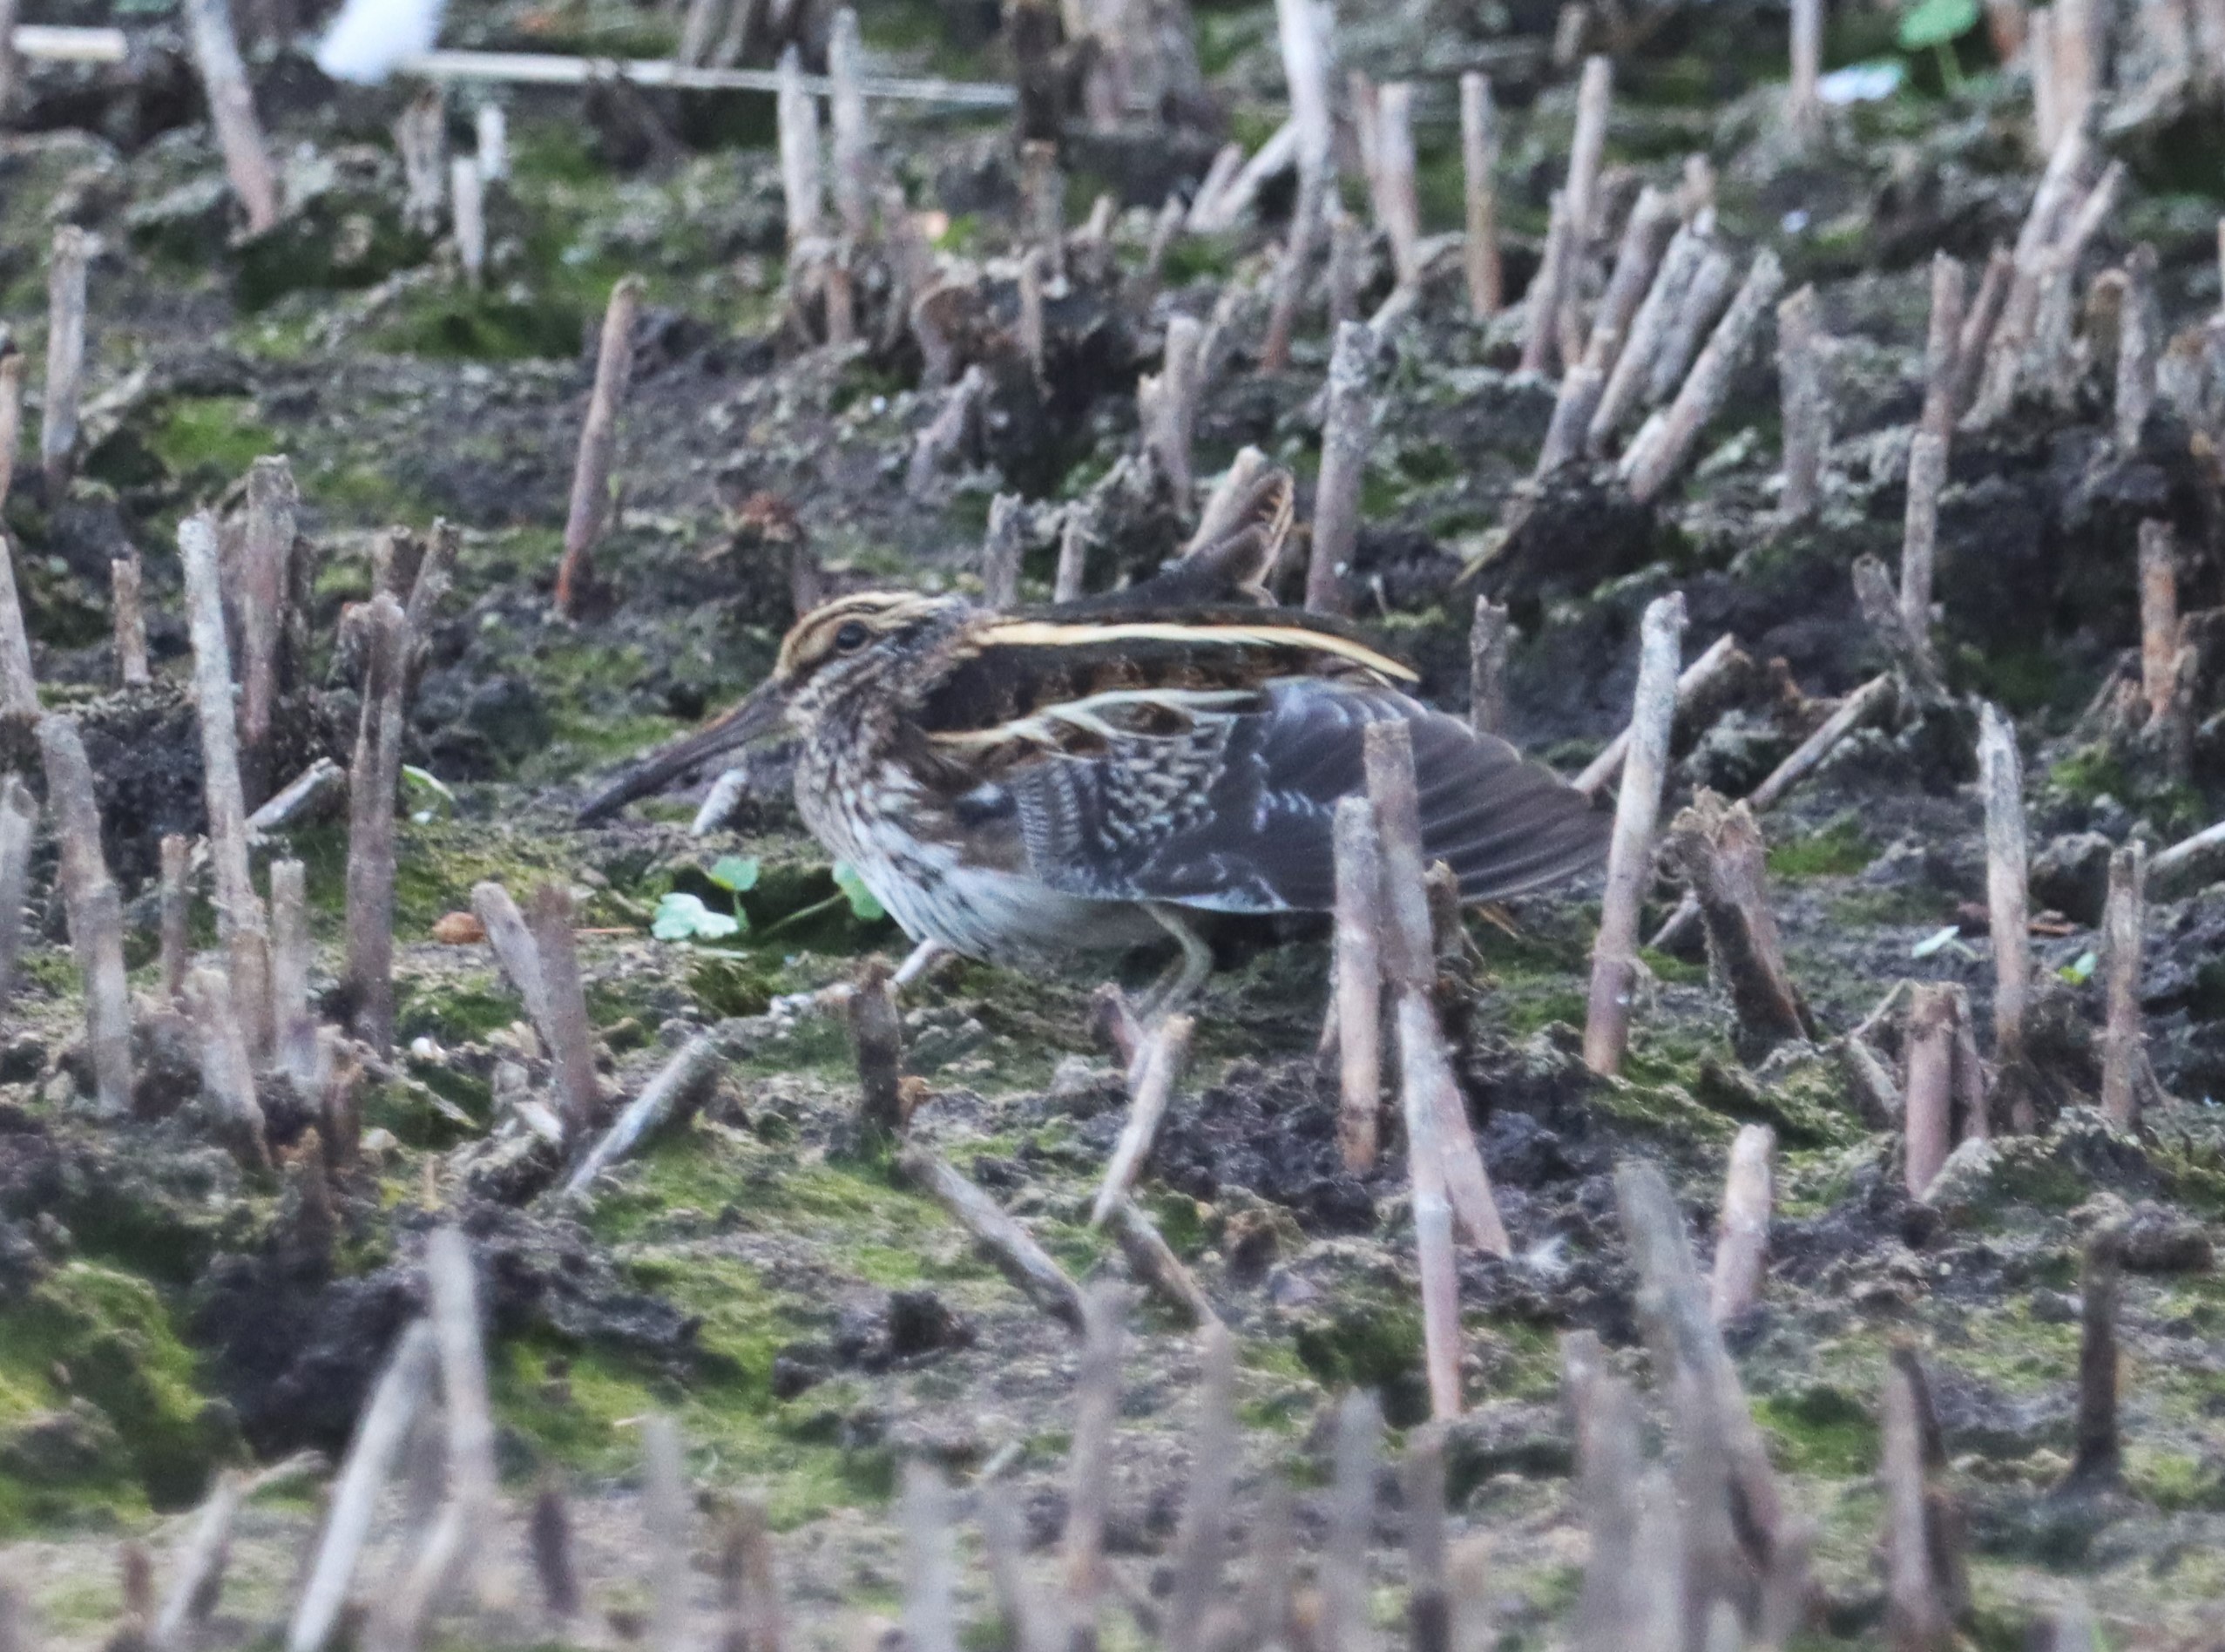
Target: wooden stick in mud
{"points": [[1633, 362], [65, 357], [2160, 633], [1807, 410], [1692, 684], [2124, 1038], [265, 566], [2007, 885], [2078, 71], [1490, 637], [1928, 1128], [1979, 319], [851, 130], [1401, 202], [1542, 302], [1578, 397], [1344, 441], [1171, 436], [803, 187], [1942, 346], [568, 1032], [1202, 1540], [197, 1576], [1644, 238], [2188, 857], [1343, 1567], [466, 190], [1648, 467], [18, 825], [1068, 583], [590, 475], [1701, 307], [676, 1086], [12, 410], [232, 111], [2040, 54], [19, 681], [381, 1431], [1429, 1596], [1479, 168], [549, 1540], [1097, 1415], [1290, 276], [877, 1040], [1429, 1093], [930, 1568], [374, 774], [1002, 546], [1358, 982], [227, 1074], [1153, 1261], [1719, 846], [667, 1518], [293, 1024], [2097, 1452], [1594, 93], [748, 1588], [444, 1561], [1743, 1235], [1030, 329], [1346, 241], [1013, 1250], [1630, 858], [2139, 340], [1043, 203], [128, 613], [1167, 1049], [1422, 1069], [1927, 475], [1804, 105], [1915, 1610]]}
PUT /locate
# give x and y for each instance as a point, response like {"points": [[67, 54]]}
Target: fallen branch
{"points": [[677, 1086], [1719, 847], [1648, 467], [567, 1031], [1694, 684], [232, 111], [1153, 1260], [1158, 1069], [1010, 1246], [1743, 1235]]}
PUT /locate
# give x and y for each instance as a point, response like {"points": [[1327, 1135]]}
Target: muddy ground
{"points": [[810, 1321]]}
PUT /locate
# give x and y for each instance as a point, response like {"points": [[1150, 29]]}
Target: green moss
{"points": [[1363, 1339], [211, 438], [457, 324], [1820, 1429], [92, 1333], [1836, 851]]}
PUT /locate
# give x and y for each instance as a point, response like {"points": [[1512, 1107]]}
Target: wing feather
{"points": [[1231, 809]]}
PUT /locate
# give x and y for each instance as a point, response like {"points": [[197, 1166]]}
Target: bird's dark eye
{"points": [[852, 636]]}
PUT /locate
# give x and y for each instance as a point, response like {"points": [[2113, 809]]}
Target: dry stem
{"points": [[2124, 1041], [1345, 434], [590, 475], [65, 357], [1807, 409], [1479, 164], [127, 610], [1742, 1235]]}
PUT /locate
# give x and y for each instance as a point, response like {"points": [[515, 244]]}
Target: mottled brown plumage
{"points": [[1019, 784]]}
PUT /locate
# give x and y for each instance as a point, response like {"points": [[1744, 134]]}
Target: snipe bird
{"points": [[1014, 785]]}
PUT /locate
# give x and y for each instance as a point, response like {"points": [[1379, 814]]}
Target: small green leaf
{"points": [[862, 905], [1934, 23], [684, 917], [2080, 969], [735, 872]]}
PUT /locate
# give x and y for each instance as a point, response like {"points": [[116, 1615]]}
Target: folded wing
{"points": [[1224, 800]]}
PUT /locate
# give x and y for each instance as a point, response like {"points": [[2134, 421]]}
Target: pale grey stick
{"points": [[380, 1432], [512, 944], [797, 127], [1743, 1235], [676, 1086], [1542, 302], [232, 111], [1010, 1246], [1166, 1051], [468, 197], [665, 1514], [1633, 362], [1644, 237], [372, 777], [1943, 345], [1001, 548], [1345, 437], [1342, 1566], [227, 1074], [239, 914], [591, 477], [571, 1036], [1648, 470], [96, 911], [19, 681], [294, 1026], [1202, 1538], [1927, 1130], [930, 1560], [1594, 93], [1097, 1414], [1696, 680], [265, 569], [2160, 631], [1153, 1261], [2124, 1038], [65, 357], [197, 1576], [1359, 982], [1713, 279], [852, 133], [1630, 861], [19, 824], [1479, 164], [127, 611], [2008, 888], [1927, 475], [1489, 638], [1806, 409]]}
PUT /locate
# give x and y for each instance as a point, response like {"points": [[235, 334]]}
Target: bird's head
{"points": [[855, 638]]}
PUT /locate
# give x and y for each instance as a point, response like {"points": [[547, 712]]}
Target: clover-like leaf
{"points": [[684, 917], [2080, 969], [863, 906], [735, 872], [1933, 23]]}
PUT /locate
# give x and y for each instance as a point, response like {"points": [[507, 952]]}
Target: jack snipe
{"points": [[1013, 785]]}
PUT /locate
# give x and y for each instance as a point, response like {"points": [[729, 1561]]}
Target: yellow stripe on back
{"points": [[1042, 633]]}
